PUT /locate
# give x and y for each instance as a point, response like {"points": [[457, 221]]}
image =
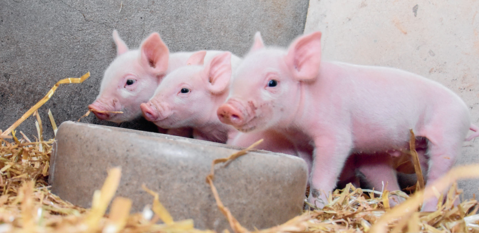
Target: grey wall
{"points": [[43, 41]]}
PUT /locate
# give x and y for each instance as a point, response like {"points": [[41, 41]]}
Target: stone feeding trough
{"points": [[261, 189]]}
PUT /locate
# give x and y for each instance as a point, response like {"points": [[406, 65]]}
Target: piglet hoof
{"points": [[316, 201], [312, 204], [308, 205], [315, 204]]}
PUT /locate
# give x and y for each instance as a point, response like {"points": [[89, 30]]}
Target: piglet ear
{"points": [[154, 54], [197, 58], [121, 46], [304, 56], [218, 73], [258, 43]]}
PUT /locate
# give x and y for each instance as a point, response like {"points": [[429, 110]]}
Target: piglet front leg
{"points": [[329, 155]]}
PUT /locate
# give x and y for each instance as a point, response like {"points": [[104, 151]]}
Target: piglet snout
{"points": [[149, 111], [230, 115], [99, 113]]}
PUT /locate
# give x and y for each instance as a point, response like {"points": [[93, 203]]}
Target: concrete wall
{"points": [[43, 41], [436, 39]]}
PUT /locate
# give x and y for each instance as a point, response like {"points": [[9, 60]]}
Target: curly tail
{"points": [[475, 134]]}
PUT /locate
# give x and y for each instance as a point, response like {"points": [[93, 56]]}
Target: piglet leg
{"points": [[441, 160], [378, 171], [330, 154]]}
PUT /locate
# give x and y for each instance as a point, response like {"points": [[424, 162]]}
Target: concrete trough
{"points": [[262, 189]]}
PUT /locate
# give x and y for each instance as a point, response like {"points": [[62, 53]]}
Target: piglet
{"points": [[132, 78], [342, 108], [189, 97]]}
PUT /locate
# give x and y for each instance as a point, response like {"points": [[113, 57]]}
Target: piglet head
{"points": [[131, 79], [266, 88], [189, 96]]}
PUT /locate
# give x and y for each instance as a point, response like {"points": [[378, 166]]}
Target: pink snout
{"points": [[149, 111], [230, 115], [99, 113]]}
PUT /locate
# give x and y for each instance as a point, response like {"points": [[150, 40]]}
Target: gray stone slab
{"points": [[262, 189], [43, 41]]}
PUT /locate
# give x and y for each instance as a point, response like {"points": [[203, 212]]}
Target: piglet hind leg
{"points": [[442, 155], [378, 172], [329, 157]]}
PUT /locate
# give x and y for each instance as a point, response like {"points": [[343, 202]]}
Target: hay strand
{"points": [[415, 160], [234, 224], [52, 121], [158, 208], [44, 100]]}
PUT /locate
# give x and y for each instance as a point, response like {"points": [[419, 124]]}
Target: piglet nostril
{"points": [[236, 119], [148, 116], [223, 114]]}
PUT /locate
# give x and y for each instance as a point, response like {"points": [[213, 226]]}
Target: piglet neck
{"points": [[308, 98], [212, 132]]}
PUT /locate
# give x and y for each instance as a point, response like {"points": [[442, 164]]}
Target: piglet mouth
{"points": [[103, 114], [246, 128]]}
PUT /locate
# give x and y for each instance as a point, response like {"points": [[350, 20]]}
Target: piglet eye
{"points": [[185, 90], [272, 83], [130, 82]]}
